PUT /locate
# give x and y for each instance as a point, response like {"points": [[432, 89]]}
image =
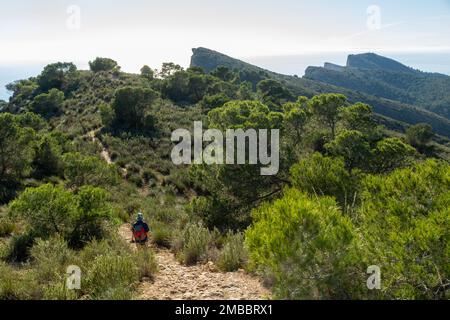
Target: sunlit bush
{"points": [[305, 244], [233, 255]]}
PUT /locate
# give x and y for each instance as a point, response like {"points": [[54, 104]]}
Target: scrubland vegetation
{"points": [[349, 193]]}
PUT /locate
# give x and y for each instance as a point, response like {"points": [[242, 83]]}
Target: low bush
{"points": [[8, 283], [110, 270], [233, 255], [17, 284], [58, 291], [194, 243], [110, 274], [51, 258], [150, 174], [18, 249], [161, 234], [113, 245], [80, 170], [146, 262], [7, 227], [325, 176]]}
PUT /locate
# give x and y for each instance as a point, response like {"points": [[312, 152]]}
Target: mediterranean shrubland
{"points": [[82, 151]]}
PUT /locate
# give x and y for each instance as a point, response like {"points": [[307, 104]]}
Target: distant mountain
{"points": [[387, 78], [394, 113], [372, 61], [332, 66]]}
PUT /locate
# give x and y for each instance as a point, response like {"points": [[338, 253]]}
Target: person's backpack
{"points": [[139, 232]]}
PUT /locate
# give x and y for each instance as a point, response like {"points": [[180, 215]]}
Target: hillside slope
{"points": [[389, 79], [395, 110]]}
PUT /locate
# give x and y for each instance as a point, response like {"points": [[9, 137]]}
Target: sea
{"points": [[290, 65], [12, 72]]}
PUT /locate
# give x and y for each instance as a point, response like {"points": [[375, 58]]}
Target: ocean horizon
{"points": [[289, 65]]}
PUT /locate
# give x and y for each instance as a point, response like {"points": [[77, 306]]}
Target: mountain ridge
{"points": [[373, 61], [402, 113], [389, 79]]}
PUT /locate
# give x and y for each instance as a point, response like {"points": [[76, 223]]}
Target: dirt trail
{"points": [[200, 282], [104, 153]]}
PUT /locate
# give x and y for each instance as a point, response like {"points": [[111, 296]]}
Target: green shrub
{"points": [[150, 174], [51, 210], [325, 176], [48, 104], [7, 227], [107, 114], [114, 244], [166, 209], [131, 207], [19, 247], [17, 283], [17, 145], [47, 209], [51, 258], [146, 262], [353, 147], [103, 64], [214, 101], [109, 274], [47, 158], [419, 135], [306, 245], [58, 291], [233, 255], [405, 222], [8, 283], [195, 240], [93, 213], [135, 178], [131, 110], [117, 293], [179, 180], [112, 270], [161, 234], [390, 154], [82, 170], [312, 250], [122, 214]]}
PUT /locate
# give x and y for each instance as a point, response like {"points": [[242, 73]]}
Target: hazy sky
{"points": [[137, 32]]}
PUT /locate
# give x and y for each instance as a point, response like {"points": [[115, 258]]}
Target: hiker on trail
{"points": [[140, 230]]}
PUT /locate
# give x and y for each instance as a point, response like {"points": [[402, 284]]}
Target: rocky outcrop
{"points": [[333, 67]]}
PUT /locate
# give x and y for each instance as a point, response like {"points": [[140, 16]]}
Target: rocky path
{"points": [[104, 153], [200, 282]]}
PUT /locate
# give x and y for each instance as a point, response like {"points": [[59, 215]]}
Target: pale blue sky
{"points": [[136, 32]]}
